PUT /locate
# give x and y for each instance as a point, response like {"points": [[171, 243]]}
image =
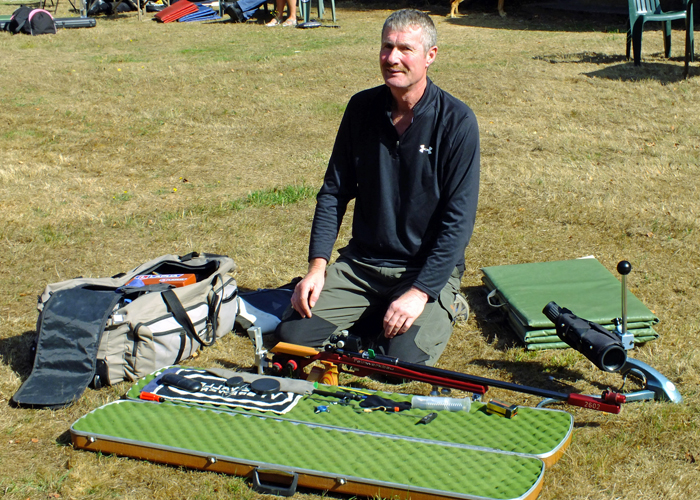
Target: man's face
{"points": [[403, 59]]}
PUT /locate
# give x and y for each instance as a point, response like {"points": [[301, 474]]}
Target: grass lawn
{"points": [[134, 139]]}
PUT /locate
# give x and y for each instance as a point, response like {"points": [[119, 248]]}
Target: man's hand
{"points": [[306, 292], [403, 312]]}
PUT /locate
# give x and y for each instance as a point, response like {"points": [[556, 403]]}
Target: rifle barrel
{"points": [[610, 403]]}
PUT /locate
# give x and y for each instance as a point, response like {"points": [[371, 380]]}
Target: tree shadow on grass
{"points": [[521, 15], [667, 70], [541, 16]]}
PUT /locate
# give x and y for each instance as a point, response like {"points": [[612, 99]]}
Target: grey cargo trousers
{"points": [[356, 296]]}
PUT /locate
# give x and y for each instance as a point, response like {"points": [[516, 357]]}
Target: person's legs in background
{"points": [[291, 10]]}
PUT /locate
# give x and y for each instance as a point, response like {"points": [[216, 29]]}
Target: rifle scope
{"points": [[602, 347]]}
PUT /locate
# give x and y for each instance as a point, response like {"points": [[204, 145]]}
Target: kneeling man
{"points": [[407, 152]]}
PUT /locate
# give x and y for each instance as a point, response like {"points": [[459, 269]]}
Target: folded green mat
{"points": [[584, 286]]}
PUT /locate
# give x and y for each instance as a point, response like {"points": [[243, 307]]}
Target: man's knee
{"points": [[286, 331], [405, 348], [434, 334], [312, 332]]}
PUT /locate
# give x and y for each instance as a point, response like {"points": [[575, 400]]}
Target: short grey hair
{"points": [[403, 19]]}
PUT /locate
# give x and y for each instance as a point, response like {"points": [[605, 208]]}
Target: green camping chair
{"points": [[642, 11], [689, 46], [305, 9]]}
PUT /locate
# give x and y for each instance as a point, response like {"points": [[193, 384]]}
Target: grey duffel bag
{"points": [[100, 331]]}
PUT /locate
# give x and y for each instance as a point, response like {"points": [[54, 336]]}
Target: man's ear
{"points": [[430, 56]]}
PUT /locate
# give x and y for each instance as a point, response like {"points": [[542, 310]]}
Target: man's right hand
{"points": [[307, 291]]}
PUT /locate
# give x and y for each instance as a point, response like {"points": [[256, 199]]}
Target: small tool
{"points": [[149, 396], [427, 419], [181, 382], [500, 408]]}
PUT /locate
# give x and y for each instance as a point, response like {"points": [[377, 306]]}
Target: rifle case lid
{"points": [[313, 456]]}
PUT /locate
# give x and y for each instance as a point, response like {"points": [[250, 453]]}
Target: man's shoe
{"points": [[460, 308], [234, 11]]}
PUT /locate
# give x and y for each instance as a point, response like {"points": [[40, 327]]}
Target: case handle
{"points": [[275, 489], [492, 295]]}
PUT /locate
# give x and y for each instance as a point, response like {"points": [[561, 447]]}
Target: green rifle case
{"points": [[345, 450], [279, 455]]}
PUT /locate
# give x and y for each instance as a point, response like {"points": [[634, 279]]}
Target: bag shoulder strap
{"points": [[181, 316]]}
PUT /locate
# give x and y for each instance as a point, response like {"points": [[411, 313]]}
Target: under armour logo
{"points": [[423, 149]]}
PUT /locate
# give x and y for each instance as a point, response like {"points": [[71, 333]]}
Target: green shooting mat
{"points": [[584, 286]]}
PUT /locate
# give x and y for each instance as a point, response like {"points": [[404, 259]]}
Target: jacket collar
{"points": [[421, 106]]}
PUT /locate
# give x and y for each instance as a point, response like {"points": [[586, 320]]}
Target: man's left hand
{"points": [[403, 312]]}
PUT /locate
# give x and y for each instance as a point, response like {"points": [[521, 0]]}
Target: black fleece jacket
{"points": [[416, 194]]}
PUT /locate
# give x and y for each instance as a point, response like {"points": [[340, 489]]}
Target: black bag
{"points": [[124, 6], [31, 21], [40, 22], [18, 20], [99, 7]]}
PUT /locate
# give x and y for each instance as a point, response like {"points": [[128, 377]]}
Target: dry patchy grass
{"points": [[135, 139]]}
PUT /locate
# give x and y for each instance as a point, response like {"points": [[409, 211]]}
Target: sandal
{"points": [[277, 21], [290, 22]]}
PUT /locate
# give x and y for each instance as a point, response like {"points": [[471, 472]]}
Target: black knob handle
{"points": [[624, 267]]}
